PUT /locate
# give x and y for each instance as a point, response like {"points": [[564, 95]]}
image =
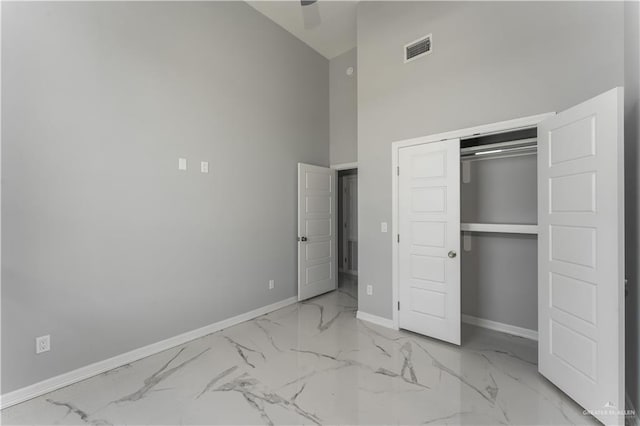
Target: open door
{"points": [[317, 240], [429, 239], [581, 254]]}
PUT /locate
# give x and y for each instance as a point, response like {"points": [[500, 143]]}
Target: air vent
{"points": [[417, 49]]}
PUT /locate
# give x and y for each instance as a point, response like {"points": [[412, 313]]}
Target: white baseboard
{"points": [[65, 379], [384, 322], [635, 419], [498, 326]]}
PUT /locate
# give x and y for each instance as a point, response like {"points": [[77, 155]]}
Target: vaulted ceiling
{"points": [[335, 34]]}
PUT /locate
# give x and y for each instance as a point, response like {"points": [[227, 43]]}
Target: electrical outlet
{"points": [[272, 284], [204, 167], [383, 226], [43, 344], [182, 164], [369, 290]]}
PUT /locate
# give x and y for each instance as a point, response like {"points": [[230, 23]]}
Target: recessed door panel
{"points": [[429, 200], [318, 273], [428, 234], [575, 350], [572, 141], [318, 227], [429, 166], [428, 302], [318, 250], [573, 193], [573, 244], [318, 181], [574, 297], [428, 268], [319, 204]]}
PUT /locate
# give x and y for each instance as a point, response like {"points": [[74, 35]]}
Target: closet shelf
{"points": [[501, 228]]}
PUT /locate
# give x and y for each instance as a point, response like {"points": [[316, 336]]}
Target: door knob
{"points": [[302, 239], [452, 254]]}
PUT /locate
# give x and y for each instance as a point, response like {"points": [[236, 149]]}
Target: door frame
{"points": [[486, 129], [344, 166]]}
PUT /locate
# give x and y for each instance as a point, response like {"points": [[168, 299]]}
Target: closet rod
{"points": [[511, 147]]}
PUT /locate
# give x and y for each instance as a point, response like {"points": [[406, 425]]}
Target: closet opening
{"points": [[498, 224]]}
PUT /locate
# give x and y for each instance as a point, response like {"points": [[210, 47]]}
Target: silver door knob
{"points": [[452, 254], [302, 239]]}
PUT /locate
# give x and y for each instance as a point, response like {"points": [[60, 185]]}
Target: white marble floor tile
{"points": [[315, 363]]}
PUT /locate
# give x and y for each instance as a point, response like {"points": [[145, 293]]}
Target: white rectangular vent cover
{"points": [[418, 48]]}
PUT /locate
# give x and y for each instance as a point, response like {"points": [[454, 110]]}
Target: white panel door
{"points": [[317, 242], [581, 254], [429, 233]]}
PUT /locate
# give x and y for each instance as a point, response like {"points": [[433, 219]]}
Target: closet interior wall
{"points": [[499, 279]]}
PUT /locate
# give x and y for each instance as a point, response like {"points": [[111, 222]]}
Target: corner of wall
{"points": [[632, 201]]}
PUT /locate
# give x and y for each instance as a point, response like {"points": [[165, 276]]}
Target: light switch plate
{"points": [[383, 227], [182, 164], [204, 167]]}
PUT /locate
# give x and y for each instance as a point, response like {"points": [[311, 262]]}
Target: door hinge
{"points": [[398, 237], [626, 287], [398, 170], [398, 305]]}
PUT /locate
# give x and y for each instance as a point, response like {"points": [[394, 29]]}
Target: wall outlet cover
{"points": [[182, 164], [271, 284], [369, 290]]}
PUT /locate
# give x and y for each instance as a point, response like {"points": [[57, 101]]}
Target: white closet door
{"points": [[317, 240], [581, 254], [429, 232]]}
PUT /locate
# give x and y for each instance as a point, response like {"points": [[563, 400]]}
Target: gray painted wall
{"points": [[499, 278], [107, 246], [632, 201], [491, 61], [344, 108]]}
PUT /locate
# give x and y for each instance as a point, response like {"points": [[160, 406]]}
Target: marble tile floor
{"points": [[315, 363]]}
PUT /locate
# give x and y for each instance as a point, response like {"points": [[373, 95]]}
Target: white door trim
{"points": [[499, 127], [344, 166]]}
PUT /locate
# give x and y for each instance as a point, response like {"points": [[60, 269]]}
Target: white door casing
{"points": [[317, 241], [429, 239], [581, 254]]}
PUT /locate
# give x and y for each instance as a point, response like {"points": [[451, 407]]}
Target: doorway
{"points": [[348, 230]]}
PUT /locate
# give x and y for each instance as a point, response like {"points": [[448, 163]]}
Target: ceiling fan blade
{"points": [[310, 14]]}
